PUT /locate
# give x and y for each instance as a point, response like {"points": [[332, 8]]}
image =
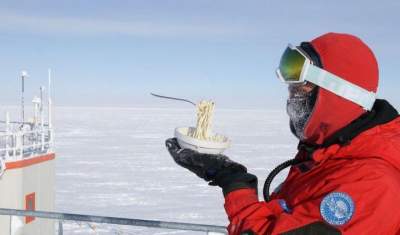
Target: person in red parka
{"points": [[345, 178]]}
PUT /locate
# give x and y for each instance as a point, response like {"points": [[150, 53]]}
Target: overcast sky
{"points": [[113, 53]]}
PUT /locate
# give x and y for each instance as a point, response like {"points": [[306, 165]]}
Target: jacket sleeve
{"points": [[375, 194], [247, 215]]}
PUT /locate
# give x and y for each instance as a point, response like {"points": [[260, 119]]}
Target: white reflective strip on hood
{"points": [[340, 86]]}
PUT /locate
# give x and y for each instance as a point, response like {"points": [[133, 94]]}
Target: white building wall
{"points": [[15, 184]]}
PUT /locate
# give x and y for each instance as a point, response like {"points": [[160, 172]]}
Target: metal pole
{"points": [[41, 120], [7, 134], [49, 99], [22, 101], [60, 227], [10, 224], [24, 75], [49, 116]]}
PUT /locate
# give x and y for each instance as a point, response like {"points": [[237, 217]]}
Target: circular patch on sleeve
{"points": [[337, 208]]}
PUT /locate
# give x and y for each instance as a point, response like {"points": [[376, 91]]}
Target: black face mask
{"points": [[299, 108]]}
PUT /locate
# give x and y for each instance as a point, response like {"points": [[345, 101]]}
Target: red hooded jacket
{"points": [[349, 186]]}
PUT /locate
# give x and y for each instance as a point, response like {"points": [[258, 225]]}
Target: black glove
{"points": [[217, 169]]}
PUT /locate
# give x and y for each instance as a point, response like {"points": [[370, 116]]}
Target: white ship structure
{"points": [[27, 178], [27, 166]]}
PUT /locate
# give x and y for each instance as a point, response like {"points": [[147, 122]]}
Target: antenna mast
{"points": [[49, 99], [24, 75]]}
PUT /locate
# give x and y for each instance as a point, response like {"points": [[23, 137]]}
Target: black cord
{"points": [[274, 172]]}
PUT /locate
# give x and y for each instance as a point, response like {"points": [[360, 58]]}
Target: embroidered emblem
{"points": [[284, 206], [337, 208]]}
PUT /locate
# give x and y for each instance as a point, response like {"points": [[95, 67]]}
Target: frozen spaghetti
{"points": [[205, 111]]}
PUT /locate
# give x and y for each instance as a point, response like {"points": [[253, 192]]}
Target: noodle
{"points": [[204, 117]]}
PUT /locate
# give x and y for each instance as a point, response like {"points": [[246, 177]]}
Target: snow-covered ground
{"points": [[113, 162]]}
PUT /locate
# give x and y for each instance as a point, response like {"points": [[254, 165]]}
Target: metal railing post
{"points": [[10, 224], [60, 227], [14, 147]]}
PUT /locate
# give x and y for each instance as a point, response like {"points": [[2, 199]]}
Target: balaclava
{"points": [[299, 108]]}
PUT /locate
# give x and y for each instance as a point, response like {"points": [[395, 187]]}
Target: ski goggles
{"points": [[296, 67]]}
